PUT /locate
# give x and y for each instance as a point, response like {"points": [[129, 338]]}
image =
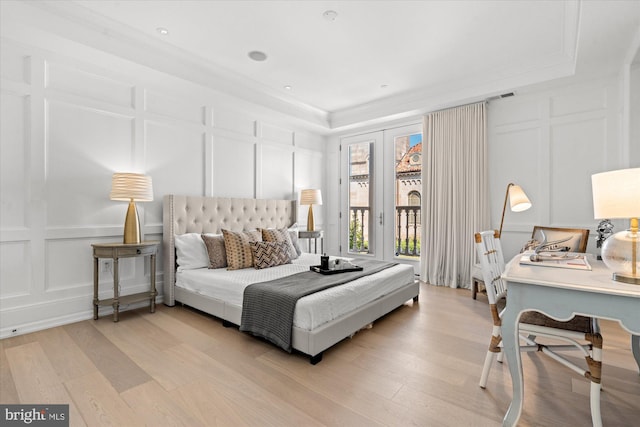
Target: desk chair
{"points": [[580, 333], [577, 243]]}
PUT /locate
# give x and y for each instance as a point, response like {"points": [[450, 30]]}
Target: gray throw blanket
{"points": [[267, 308]]}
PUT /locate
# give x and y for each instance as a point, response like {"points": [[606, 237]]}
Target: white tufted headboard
{"points": [[197, 214]]}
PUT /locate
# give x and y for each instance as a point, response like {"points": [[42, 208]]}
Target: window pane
{"points": [[360, 196], [408, 176]]}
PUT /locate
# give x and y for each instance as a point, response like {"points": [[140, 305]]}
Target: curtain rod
{"points": [[486, 100]]}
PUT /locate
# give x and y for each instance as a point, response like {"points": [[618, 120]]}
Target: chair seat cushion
{"points": [[577, 324]]}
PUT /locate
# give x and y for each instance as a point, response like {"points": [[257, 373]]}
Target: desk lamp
{"points": [[616, 194], [131, 187]]}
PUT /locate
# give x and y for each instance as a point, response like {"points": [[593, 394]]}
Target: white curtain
{"points": [[455, 193]]}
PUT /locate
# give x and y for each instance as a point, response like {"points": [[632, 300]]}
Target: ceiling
{"points": [[375, 58]]}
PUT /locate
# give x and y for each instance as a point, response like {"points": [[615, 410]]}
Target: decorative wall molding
{"points": [[72, 125]]}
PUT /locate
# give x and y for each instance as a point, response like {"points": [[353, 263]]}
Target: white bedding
{"points": [[311, 311]]}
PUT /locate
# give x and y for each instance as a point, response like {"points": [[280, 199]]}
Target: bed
{"points": [[315, 327]]}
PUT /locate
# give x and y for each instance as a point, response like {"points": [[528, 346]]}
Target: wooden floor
{"points": [[418, 366]]}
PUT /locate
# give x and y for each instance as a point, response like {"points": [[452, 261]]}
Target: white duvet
{"points": [[311, 311]]}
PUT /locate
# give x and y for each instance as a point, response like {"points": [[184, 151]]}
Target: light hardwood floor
{"points": [[419, 366]]}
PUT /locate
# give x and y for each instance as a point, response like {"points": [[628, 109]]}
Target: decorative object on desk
{"points": [[310, 197], [518, 201], [131, 187], [553, 246], [605, 230], [616, 194], [562, 239]]}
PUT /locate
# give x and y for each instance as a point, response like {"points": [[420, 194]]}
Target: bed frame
{"points": [[197, 214]]}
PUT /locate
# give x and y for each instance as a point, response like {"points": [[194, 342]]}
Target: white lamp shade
{"points": [[311, 197], [616, 194], [131, 186], [518, 199]]}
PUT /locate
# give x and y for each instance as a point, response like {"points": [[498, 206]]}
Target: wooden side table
{"points": [[315, 235], [117, 251]]}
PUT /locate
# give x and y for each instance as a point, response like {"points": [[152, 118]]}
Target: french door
{"points": [[381, 194]]}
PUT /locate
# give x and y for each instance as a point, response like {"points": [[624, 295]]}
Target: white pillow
{"points": [[293, 234], [191, 251]]}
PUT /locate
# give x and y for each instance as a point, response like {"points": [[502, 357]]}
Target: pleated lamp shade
{"points": [[311, 197], [127, 186]]}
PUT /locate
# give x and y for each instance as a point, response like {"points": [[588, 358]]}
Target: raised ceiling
{"points": [[376, 59]]}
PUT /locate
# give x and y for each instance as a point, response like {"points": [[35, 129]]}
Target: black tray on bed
{"points": [[320, 270]]}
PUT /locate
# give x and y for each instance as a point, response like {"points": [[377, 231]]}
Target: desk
{"points": [[562, 293], [116, 251]]}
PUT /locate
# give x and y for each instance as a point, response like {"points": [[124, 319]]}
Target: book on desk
{"points": [[569, 260]]}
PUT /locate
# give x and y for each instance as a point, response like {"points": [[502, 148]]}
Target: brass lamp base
{"points": [[132, 225], [310, 224], [625, 278]]}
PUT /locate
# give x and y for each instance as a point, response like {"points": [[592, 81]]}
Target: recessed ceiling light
{"points": [[330, 15], [256, 55], [162, 31], [384, 86], [287, 87]]}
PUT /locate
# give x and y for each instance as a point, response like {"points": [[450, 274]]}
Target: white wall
{"points": [[68, 124], [549, 139]]}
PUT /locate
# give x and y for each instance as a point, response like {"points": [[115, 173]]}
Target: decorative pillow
{"points": [[279, 235], [191, 251], [293, 235], [216, 250], [238, 249], [270, 254]]}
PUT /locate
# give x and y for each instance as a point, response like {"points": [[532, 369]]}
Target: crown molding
{"points": [[81, 25], [72, 21]]}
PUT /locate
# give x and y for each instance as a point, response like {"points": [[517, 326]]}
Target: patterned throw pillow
{"points": [[280, 235], [270, 254], [216, 250], [238, 248]]}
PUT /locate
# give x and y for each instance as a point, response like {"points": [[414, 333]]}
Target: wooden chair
{"points": [[580, 333], [577, 243]]}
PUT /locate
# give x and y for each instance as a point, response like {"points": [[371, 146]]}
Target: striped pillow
{"points": [[270, 254], [238, 249]]}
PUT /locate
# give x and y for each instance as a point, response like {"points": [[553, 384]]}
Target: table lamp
{"points": [[518, 201], [131, 187], [310, 197], [616, 194]]}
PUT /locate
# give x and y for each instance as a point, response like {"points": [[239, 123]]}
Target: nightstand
{"points": [[315, 235], [116, 251]]}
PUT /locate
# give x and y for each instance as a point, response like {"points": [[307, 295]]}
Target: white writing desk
{"points": [[562, 293]]}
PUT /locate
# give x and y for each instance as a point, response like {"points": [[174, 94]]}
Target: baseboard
{"points": [[29, 327]]}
